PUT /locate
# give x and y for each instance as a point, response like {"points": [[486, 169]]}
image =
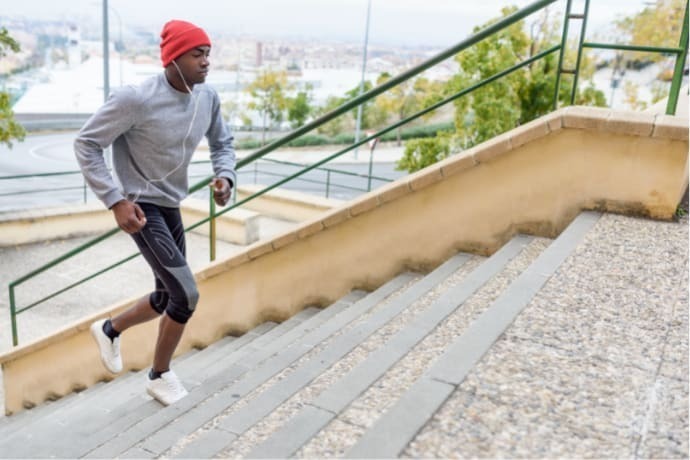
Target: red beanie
{"points": [[178, 37]]}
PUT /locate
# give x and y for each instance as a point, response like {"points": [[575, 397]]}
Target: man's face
{"points": [[194, 64]]}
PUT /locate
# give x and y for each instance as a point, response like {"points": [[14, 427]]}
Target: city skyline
{"points": [[401, 22]]}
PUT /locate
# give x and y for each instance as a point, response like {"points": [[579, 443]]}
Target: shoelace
{"points": [[174, 384]]}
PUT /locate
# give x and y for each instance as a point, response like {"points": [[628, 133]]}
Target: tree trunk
{"points": [[263, 131]]}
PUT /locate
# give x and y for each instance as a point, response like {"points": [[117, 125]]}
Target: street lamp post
{"points": [[106, 53], [119, 39], [106, 46], [361, 82]]}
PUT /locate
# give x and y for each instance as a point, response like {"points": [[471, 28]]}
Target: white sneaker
{"points": [[167, 389], [110, 349]]}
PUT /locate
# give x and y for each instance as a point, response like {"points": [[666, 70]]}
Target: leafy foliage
{"points": [[368, 109], [299, 107], [268, 97], [9, 128], [506, 103], [335, 126], [404, 99], [420, 153], [658, 24]]}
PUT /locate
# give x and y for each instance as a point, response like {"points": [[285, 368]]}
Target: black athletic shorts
{"points": [[162, 243]]}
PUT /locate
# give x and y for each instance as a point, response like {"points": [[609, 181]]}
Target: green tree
{"points": [[336, 125], [658, 24], [510, 101], [268, 97], [9, 128], [299, 107], [420, 153], [494, 108], [404, 99], [229, 108], [367, 106]]}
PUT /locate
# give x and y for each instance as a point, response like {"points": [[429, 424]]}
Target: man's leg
{"points": [[140, 312], [106, 332], [166, 243], [169, 335]]}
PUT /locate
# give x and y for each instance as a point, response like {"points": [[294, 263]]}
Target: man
{"points": [[154, 129]]}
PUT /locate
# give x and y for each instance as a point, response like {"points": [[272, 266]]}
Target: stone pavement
{"points": [[385, 152]]}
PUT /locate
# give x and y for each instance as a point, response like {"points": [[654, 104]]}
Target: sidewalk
{"points": [[131, 279], [387, 152]]}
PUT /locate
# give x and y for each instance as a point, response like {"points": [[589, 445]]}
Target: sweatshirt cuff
{"points": [[112, 197], [231, 177]]}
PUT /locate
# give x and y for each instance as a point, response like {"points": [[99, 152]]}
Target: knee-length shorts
{"points": [[162, 243]]}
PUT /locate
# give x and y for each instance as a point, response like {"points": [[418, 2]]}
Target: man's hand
{"points": [[129, 216], [221, 190]]}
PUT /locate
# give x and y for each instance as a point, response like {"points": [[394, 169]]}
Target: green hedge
{"points": [[418, 132], [415, 132]]}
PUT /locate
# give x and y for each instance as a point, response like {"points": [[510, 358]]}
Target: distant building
{"points": [[259, 55], [73, 46]]}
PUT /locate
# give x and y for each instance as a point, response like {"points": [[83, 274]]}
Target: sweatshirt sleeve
{"points": [[220, 144], [114, 118]]}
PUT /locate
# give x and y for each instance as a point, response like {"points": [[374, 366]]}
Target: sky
{"points": [[402, 22]]}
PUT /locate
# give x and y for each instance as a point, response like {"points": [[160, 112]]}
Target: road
{"points": [[52, 153]]}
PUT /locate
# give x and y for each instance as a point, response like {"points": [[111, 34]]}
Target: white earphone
{"points": [[184, 141]]}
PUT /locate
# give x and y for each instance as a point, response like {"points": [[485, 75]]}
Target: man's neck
{"points": [[175, 80]]}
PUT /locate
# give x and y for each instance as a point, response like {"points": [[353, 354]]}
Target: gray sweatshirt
{"points": [[154, 130]]}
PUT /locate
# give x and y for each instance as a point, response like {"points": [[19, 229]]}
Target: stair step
{"points": [[12, 424], [166, 437], [124, 399], [291, 436], [396, 428], [210, 442], [63, 408], [264, 394], [119, 390], [341, 434], [231, 381]]}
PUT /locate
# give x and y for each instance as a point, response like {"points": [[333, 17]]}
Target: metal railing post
{"points": [[678, 70], [13, 317], [583, 30], [371, 162], [212, 225], [328, 182], [564, 39]]}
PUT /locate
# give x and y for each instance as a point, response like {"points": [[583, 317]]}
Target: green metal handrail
{"points": [[49, 174], [680, 52], [646, 49], [329, 171], [197, 162], [346, 107]]}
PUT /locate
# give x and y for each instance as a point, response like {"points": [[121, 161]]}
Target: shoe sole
{"points": [[154, 396]]}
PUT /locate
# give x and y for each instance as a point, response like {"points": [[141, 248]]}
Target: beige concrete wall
{"points": [[239, 226], [286, 204], [535, 179], [35, 225]]}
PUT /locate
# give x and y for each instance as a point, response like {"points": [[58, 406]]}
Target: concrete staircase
{"points": [[361, 378]]}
